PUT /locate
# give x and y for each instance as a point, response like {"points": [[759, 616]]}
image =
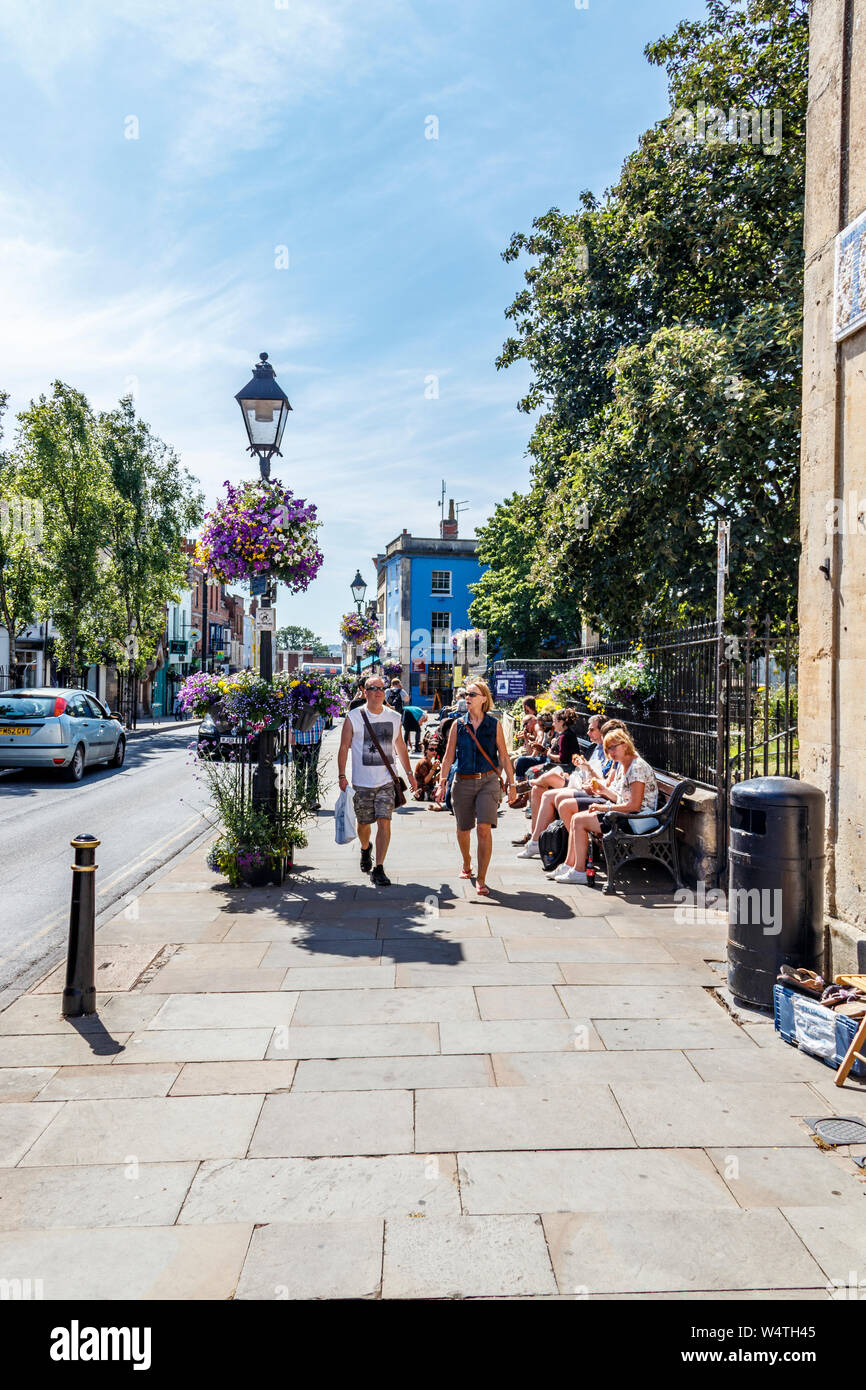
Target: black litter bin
{"points": [[775, 884]]}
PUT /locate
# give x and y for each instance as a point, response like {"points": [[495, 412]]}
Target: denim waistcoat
{"points": [[468, 757]]}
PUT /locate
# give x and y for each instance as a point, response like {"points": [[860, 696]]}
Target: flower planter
{"points": [[257, 878]]}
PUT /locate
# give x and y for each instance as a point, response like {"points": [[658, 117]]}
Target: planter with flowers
{"points": [[199, 693], [358, 629], [630, 684], [261, 528], [393, 668]]}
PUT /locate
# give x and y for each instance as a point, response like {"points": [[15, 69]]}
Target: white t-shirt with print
{"points": [[368, 770], [640, 771]]}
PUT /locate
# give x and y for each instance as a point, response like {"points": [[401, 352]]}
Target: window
{"points": [[440, 626], [441, 582]]}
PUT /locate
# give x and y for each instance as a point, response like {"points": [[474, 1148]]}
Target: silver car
{"points": [[66, 730]]}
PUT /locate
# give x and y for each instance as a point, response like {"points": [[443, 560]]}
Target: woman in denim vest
{"points": [[477, 785]]}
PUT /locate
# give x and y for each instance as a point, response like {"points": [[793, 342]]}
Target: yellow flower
{"points": [[294, 682]]}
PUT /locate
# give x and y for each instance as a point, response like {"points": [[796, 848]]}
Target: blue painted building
{"points": [[423, 598]]}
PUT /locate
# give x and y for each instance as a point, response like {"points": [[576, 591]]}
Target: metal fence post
{"points": [[79, 995]]}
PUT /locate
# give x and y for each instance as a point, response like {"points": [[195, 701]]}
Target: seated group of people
{"points": [[562, 783]]}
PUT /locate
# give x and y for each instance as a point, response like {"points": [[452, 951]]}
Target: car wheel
{"points": [[119, 753], [75, 770]]}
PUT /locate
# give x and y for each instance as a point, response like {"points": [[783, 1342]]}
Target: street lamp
{"points": [[359, 589], [265, 409]]}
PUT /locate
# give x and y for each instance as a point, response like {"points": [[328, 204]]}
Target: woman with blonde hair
{"points": [[637, 795], [477, 742]]}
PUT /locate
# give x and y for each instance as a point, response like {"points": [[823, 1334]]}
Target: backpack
{"points": [[553, 846], [394, 699]]}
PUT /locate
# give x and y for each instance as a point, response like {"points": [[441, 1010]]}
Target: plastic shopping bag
{"points": [[344, 818]]}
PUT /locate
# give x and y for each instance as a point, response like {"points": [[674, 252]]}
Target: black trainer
{"points": [[366, 859], [379, 877]]}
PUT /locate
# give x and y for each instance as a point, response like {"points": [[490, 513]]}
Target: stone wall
{"points": [[832, 605]]}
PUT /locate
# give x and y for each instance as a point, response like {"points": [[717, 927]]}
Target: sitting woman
{"points": [[637, 795], [584, 785], [560, 759], [427, 770], [535, 743]]}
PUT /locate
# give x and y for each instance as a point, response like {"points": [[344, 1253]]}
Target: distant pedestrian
{"points": [[359, 698], [477, 745], [396, 698], [374, 735], [413, 717]]}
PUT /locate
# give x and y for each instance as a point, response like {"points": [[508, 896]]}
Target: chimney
{"points": [[448, 528]]}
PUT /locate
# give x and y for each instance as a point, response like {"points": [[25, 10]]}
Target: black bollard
{"points": [[79, 996]]}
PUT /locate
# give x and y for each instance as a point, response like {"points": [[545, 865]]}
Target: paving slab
{"points": [[181, 979], [306, 1124], [451, 926], [323, 1189], [677, 1251], [387, 1073], [40, 1013], [347, 1006], [523, 1035], [849, 1099], [120, 931], [519, 1001], [472, 973], [333, 954], [151, 1131], [240, 955], [196, 1045], [593, 1180], [233, 1078], [570, 927], [116, 967], [20, 1127], [146, 1194], [672, 1033], [430, 950], [222, 1011], [57, 1050], [133, 1082], [756, 1064], [636, 956], [704, 1113], [23, 1083], [311, 1261], [836, 1244], [653, 975], [343, 977], [355, 1040], [555, 1068], [520, 1117], [466, 1257], [638, 1001], [132, 1263], [270, 930], [781, 1177]]}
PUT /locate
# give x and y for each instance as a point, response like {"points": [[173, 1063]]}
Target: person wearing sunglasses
{"points": [[477, 742], [373, 733]]}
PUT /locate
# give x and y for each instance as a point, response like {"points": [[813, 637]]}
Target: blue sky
{"points": [[151, 263]]}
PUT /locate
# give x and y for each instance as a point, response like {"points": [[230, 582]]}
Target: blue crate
{"points": [[813, 1028]]}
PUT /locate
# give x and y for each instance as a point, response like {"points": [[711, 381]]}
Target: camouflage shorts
{"points": [[374, 803]]}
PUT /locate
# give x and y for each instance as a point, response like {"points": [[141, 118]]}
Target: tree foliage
{"points": [[301, 639], [662, 325]]}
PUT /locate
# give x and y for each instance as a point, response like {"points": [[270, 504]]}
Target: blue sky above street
{"points": [[151, 263]]}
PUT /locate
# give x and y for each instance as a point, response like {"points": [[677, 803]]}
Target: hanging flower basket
{"points": [[356, 628], [260, 527], [199, 693], [393, 668]]}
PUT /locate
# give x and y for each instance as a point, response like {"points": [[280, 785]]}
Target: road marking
{"points": [[49, 923]]}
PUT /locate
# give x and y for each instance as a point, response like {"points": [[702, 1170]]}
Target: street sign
{"points": [[510, 685], [266, 620], [258, 584], [177, 648], [195, 634]]}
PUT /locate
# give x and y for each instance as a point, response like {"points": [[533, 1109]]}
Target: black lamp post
{"points": [[265, 408], [359, 589]]}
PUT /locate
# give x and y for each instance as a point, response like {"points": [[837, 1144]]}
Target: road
{"points": [[143, 815]]}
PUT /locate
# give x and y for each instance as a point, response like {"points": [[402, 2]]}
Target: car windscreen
{"points": [[14, 706]]}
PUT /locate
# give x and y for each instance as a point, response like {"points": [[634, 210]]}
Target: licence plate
{"points": [[15, 728], [226, 739]]}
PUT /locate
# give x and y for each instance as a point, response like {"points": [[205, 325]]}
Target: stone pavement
{"points": [[336, 1091]]}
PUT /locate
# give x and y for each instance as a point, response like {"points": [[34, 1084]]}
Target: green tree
{"points": [[298, 639], [662, 325], [58, 459], [509, 602], [157, 505], [20, 560]]}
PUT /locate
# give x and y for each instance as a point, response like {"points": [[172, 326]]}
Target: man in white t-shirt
{"points": [[372, 783]]}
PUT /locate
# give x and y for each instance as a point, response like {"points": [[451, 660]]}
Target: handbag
{"points": [[498, 770], [399, 784]]}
